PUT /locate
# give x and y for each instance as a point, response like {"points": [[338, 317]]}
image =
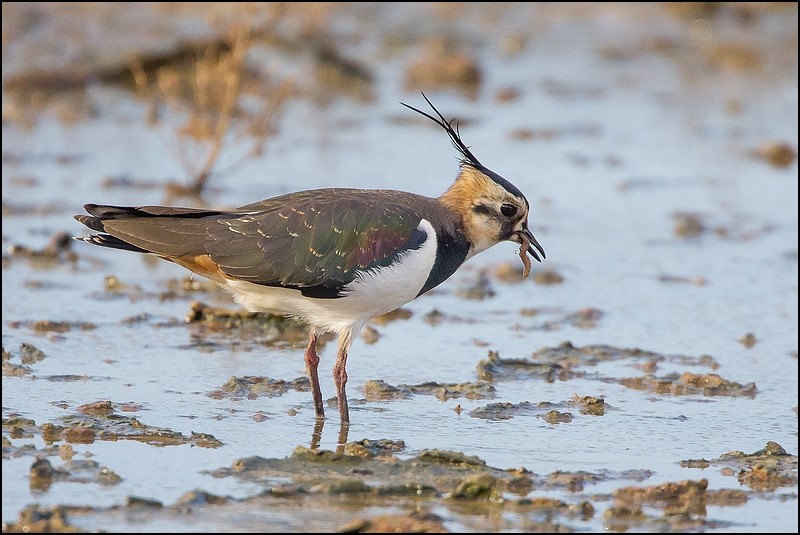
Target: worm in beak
{"points": [[528, 245]]}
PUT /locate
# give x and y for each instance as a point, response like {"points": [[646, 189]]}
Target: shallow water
{"points": [[636, 136]]}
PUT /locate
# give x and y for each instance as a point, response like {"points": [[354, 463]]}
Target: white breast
{"points": [[371, 294]]}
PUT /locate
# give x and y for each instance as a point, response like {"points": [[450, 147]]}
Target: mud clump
{"points": [[688, 225], [450, 457], [48, 326], [100, 421], [61, 326], [37, 519], [553, 413], [434, 317], [728, 497], [586, 318], [57, 251], [566, 359], [748, 340], [592, 405], [379, 390], [501, 411], [251, 387], [220, 329], [222, 317], [417, 521], [446, 479], [478, 486], [445, 391], [28, 354], [690, 384], [570, 356], [374, 448], [626, 514], [712, 384], [683, 492], [556, 417], [548, 277], [494, 368], [766, 478], [198, 498], [137, 503], [98, 408], [767, 469], [571, 481], [776, 154], [43, 474], [342, 486], [695, 463]]}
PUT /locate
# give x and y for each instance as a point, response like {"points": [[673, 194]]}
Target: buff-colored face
{"points": [[490, 213]]}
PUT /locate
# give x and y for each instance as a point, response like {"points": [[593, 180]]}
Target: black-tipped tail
{"points": [[167, 231], [107, 240], [94, 223], [101, 213]]}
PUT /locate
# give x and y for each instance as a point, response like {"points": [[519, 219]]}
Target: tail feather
{"points": [[106, 212], [107, 240], [94, 223], [146, 229]]}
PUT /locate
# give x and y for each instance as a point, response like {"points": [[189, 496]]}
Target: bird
{"points": [[334, 257]]}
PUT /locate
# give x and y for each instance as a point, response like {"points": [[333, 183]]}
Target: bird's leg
{"points": [[312, 361], [340, 374]]}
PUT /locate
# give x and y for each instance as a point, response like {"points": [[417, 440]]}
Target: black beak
{"points": [[533, 243]]}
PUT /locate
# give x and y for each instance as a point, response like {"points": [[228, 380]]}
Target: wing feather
{"points": [[315, 241]]}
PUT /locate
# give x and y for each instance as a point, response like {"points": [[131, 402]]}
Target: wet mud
{"points": [[368, 474], [100, 421]]}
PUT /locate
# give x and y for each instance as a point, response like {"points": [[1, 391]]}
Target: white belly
{"points": [[371, 294]]}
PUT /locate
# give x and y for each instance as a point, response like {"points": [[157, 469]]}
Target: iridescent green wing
{"points": [[316, 241]]}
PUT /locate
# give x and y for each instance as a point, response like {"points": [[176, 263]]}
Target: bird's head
{"points": [[491, 209]]}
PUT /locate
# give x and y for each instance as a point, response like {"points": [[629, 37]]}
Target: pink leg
{"points": [[340, 374], [312, 361]]}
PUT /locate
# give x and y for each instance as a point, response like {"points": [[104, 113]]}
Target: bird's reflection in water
{"points": [[316, 435]]}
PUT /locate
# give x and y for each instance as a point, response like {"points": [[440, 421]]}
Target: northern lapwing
{"points": [[336, 257]]}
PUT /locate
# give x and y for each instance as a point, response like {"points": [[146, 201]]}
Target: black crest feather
{"points": [[466, 156]]}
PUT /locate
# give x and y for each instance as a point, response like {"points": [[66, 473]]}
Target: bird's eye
{"points": [[508, 210]]}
